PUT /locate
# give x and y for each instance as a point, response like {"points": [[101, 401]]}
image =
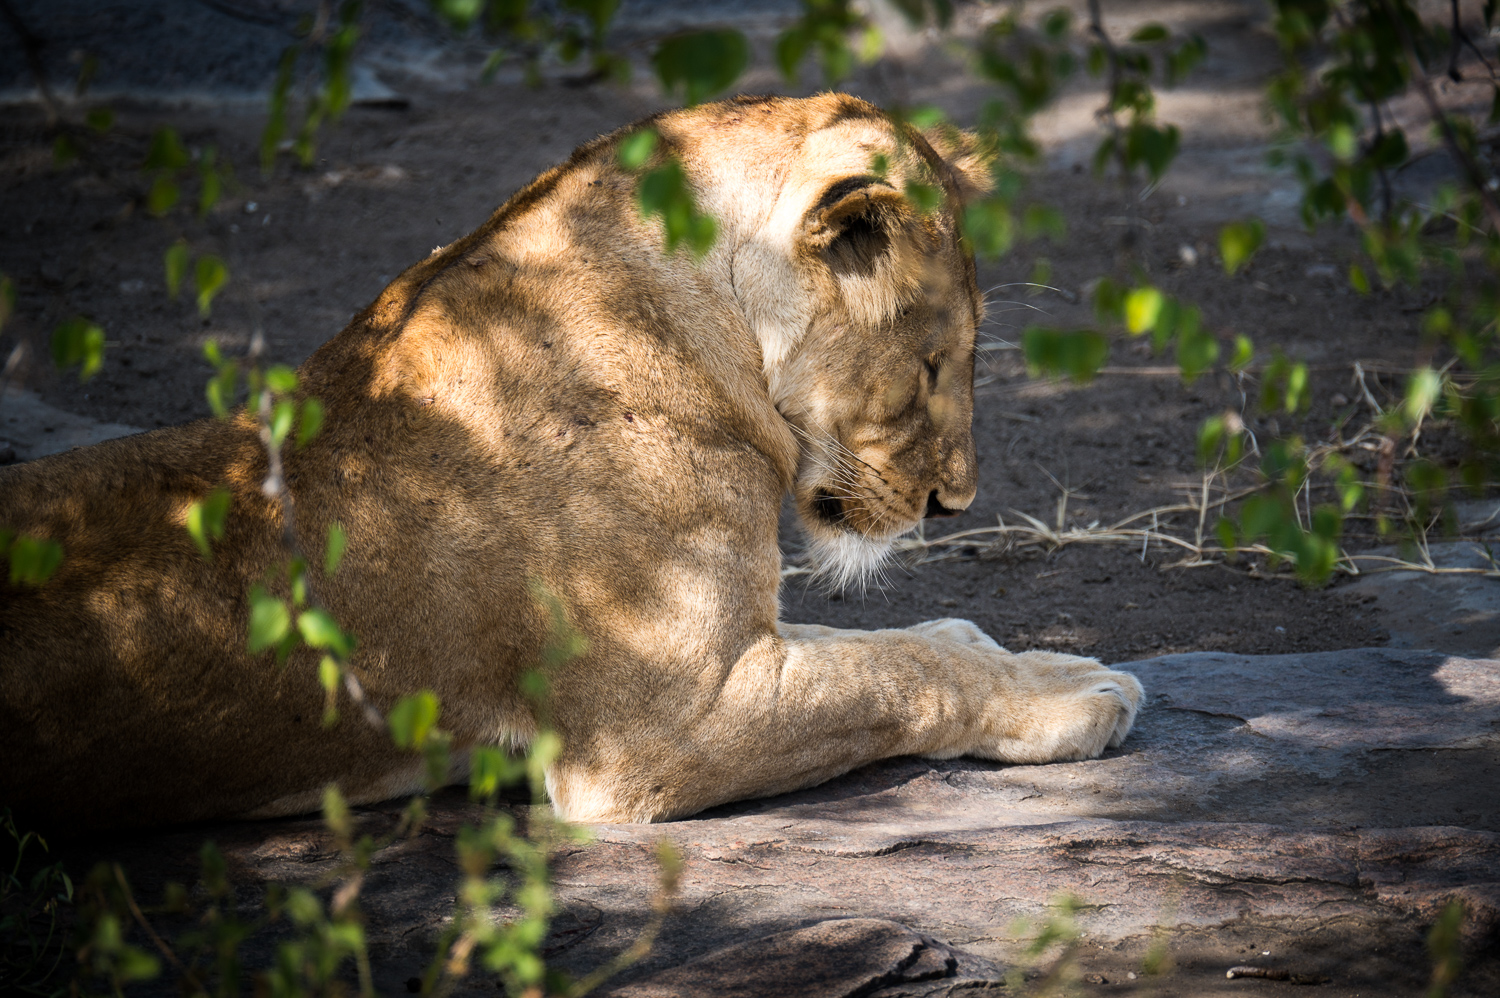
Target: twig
{"points": [[1032, 532], [1369, 98], [274, 487], [1359, 376], [1275, 974], [1112, 56], [160, 943], [1450, 138]]}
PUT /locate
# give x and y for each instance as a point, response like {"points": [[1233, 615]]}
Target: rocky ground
{"points": [[1303, 812]]}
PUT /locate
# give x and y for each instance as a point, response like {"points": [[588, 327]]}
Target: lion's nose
{"points": [[935, 508]]}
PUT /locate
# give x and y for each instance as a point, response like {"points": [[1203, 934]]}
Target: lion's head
{"points": [[865, 305]]}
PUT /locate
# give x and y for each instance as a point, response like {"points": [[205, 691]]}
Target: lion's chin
{"points": [[844, 558]]}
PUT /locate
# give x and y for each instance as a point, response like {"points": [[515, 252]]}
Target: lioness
{"points": [[554, 401]]}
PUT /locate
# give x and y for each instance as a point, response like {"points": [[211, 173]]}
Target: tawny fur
{"points": [[555, 401]]}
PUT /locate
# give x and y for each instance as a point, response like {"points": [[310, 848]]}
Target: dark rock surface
{"points": [[1305, 813]]}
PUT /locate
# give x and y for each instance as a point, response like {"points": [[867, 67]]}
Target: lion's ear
{"points": [[967, 157], [851, 223]]}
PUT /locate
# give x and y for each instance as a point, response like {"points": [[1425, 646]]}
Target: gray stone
{"points": [[832, 959], [32, 428], [1443, 610], [1309, 813]]}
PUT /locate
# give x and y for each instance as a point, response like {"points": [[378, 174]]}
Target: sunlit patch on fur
{"points": [[843, 558]]}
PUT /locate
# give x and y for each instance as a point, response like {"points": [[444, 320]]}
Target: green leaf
{"points": [[1437, 322], [412, 719], [166, 152], [1043, 221], [220, 389], [282, 416], [460, 14], [1142, 308], [211, 352], [7, 299], [491, 768], [492, 65], [1358, 280], [1350, 489], [210, 275], [1238, 241], [1152, 145], [163, 195], [664, 191], [989, 227], [33, 559], [281, 379], [543, 752], [329, 674], [925, 198], [1151, 32], [320, 630], [1077, 354], [700, 64], [1196, 353], [176, 262], [636, 148], [1109, 301], [1210, 436], [336, 811], [1244, 353], [1225, 529], [209, 190], [791, 49], [333, 552], [64, 151], [100, 119], [78, 341], [206, 519], [1422, 390], [310, 423], [276, 121], [135, 964], [270, 621], [1343, 141], [1297, 394]]}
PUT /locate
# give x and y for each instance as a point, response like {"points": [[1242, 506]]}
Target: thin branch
{"points": [[274, 487], [1450, 138], [1456, 38], [160, 943]]}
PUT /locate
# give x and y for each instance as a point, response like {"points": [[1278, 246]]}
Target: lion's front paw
{"points": [[1076, 709]]}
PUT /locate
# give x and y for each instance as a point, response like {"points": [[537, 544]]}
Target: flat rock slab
{"points": [[836, 957], [1454, 609], [30, 428], [1311, 813]]}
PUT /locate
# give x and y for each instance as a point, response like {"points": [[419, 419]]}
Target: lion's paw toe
{"points": [[964, 632], [1081, 709]]}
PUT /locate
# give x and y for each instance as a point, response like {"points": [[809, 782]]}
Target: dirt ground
{"points": [[306, 249]]}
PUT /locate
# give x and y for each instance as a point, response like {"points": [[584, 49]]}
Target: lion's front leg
{"points": [[812, 702]]}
